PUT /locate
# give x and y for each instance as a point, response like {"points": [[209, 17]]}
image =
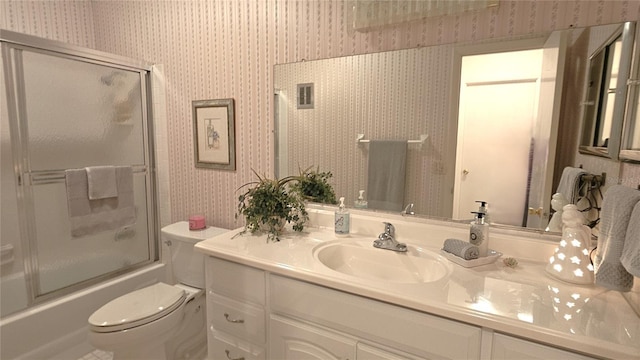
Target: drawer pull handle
{"points": [[230, 358], [235, 321]]}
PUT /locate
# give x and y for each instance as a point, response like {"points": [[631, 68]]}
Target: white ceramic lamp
{"points": [[570, 261]]}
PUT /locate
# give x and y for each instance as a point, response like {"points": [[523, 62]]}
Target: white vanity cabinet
{"points": [[236, 313], [401, 330], [253, 314]]}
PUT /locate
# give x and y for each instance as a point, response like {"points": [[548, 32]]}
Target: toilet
{"points": [[160, 321]]}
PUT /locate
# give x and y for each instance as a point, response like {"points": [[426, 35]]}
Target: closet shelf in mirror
{"points": [[423, 137]]}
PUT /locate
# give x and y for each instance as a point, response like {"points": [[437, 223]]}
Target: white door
{"points": [[497, 110]]}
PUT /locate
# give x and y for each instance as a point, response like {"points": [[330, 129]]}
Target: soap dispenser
{"points": [[479, 233], [361, 203], [342, 219]]}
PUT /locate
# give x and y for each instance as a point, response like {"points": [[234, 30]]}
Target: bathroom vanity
{"points": [[339, 298]]}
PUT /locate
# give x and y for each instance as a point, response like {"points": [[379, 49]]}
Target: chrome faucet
{"points": [[408, 210], [387, 240]]}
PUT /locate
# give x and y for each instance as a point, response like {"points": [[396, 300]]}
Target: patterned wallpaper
{"points": [[227, 49]]}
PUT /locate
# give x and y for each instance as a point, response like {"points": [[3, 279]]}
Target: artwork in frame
{"points": [[214, 134]]}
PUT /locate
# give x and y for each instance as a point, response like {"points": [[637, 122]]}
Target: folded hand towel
{"points": [[569, 185], [617, 206], [386, 174], [88, 217], [631, 252], [101, 181], [461, 248]]}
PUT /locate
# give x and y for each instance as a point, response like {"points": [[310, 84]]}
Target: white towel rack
{"points": [[54, 176], [423, 137]]}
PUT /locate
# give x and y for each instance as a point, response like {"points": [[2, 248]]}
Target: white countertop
{"points": [[519, 301]]}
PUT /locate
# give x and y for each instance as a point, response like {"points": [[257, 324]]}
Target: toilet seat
{"points": [[137, 308]]}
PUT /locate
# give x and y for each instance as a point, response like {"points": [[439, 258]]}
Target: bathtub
{"points": [[14, 285], [45, 331]]}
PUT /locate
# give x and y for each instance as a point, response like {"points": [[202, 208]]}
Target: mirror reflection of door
{"points": [[496, 115], [507, 102]]}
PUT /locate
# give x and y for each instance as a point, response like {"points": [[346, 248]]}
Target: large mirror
{"points": [[495, 121]]}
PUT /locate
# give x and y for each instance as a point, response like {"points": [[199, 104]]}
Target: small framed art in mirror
{"points": [[214, 134]]}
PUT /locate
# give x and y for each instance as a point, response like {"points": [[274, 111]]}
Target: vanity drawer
{"points": [[234, 280], [225, 347], [236, 318], [413, 331]]}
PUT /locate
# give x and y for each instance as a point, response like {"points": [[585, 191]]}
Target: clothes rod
{"points": [[361, 140]]}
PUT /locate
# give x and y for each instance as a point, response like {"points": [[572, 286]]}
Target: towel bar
{"points": [[423, 137], [53, 176]]}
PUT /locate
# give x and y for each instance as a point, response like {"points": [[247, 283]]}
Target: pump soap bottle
{"points": [[342, 219], [360, 203], [479, 234], [484, 208]]}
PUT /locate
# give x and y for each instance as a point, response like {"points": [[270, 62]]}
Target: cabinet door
{"points": [[507, 348], [368, 352], [291, 340]]}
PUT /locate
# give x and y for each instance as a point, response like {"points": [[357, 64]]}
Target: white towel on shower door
{"points": [[386, 174], [101, 181], [88, 217]]}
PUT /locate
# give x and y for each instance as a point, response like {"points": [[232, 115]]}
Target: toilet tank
{"points": [[187, 264]]}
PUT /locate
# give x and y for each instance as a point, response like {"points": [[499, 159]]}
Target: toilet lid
{"points": [[137, 308]]}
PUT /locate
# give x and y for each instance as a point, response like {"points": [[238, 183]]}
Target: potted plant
{"points": [[314, 186], [270, 204]]}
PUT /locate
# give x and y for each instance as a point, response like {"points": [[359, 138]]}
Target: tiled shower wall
{"points": [[227, 49]]}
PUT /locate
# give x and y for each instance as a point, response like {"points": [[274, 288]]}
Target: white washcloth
{"points": [[631, 252], [386, 174], [88, 217], [101, 182], [617, 206], [569, 184]]}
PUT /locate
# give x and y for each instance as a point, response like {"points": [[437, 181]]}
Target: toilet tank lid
{"points": [[137, 307], [181, 229]]}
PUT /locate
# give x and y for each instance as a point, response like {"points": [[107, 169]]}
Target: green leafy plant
{"points": [[314, 186], [270, 204]]}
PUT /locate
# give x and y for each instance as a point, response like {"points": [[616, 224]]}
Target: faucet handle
{"points": [[388, 228], [408, 210]]}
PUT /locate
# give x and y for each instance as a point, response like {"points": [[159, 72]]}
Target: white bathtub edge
{"points": [[46, 330]]}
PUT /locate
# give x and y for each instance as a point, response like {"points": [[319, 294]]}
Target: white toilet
{"points": [[160, 321]]}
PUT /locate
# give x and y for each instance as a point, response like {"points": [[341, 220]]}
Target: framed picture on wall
{"points": [[214, 134]]}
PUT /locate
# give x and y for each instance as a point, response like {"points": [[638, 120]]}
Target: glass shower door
{"points": [[75, 113]]}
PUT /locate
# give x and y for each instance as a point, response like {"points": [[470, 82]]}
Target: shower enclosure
{"points": [[64, 108]]}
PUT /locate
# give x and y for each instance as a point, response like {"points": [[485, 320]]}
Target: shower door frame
{"points": [[13, 44]]}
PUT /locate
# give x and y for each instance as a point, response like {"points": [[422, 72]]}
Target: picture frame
{"points": [[214, 134]]}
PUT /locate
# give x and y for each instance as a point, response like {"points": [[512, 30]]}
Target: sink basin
{"points": [[361, 260]]}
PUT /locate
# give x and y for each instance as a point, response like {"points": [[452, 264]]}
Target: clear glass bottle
{"points": [[342, 219], [361, 203]]}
